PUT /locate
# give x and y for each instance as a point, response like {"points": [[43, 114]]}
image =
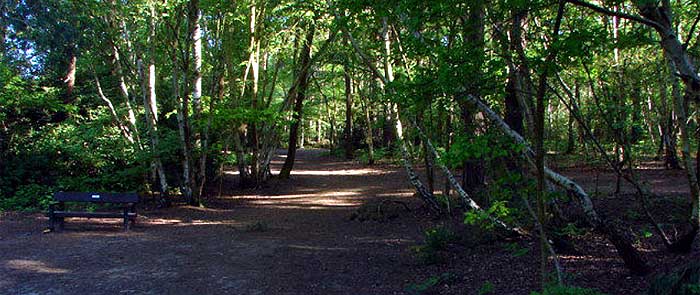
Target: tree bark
{"points": [[348, 112], [305, 59], [633, 260], [681, 102]]}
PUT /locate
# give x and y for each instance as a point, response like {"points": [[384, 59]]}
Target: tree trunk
{"points": [[394, 114], [685, 242], [369, 135], [348, 113], [150, 104], [305, 59], [633, 260], [69, 79]]}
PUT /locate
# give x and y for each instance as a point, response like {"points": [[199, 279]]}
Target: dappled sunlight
{"points": [[163, 221], [199, 222], [194, 222], [300, 196], [385, 241], [205, 209], [312, 201], [317, 248], [34, 266], [322, 202], [396, 194], [586, 258], [343, 172]]}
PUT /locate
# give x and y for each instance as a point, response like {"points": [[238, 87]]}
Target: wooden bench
{"points": [[127, 201]]}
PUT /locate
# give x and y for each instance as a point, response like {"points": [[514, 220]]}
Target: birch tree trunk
{"points": [[394, 113], [633, 260], [150, 105]]}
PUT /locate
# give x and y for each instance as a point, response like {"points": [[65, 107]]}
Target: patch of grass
{"points": [[486, 288]]}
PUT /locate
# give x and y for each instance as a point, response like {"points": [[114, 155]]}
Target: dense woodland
{"points": [[479, 101]]}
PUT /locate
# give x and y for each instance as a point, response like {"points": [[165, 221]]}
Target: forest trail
{"points": [[290, 237], [296, 237]]}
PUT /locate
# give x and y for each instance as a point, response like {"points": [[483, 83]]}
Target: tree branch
{"points": [[606, 11]]}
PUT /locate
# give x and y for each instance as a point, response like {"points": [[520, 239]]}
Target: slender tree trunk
{"points": [[150, 104], [539, 143], [685, 242], [69, 78], [305, 59], [571, 133], [128, 135], [394, 113], [348, 113], [633, 260], [473, 172], [666, 126], [369, 135]]}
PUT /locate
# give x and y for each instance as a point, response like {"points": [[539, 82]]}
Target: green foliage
{"points": [[436, 240], [570, 230], [486, 288], [430, 283], [487, 147], [81, 152], [497, 210], [516, 250], [363, 155], [29, 197]]}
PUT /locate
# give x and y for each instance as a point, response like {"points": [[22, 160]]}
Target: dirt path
{"points": [[296, 237], [308, 245]]}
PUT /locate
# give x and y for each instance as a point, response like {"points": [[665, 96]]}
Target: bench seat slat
{"points": [[132, 215], [96, 197]]}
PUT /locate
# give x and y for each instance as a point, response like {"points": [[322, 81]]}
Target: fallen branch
{"points": [[642, 191], [460, 191], [628, 253]]}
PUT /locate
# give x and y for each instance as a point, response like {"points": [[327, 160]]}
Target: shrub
{"points": [[437, 238], [29, 197]]}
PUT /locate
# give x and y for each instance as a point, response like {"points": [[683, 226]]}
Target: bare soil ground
{"points": [[297, 237]]}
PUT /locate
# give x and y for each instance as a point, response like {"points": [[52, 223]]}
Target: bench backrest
{"points": [[96, 197]]}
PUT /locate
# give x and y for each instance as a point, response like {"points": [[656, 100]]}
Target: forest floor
{"points": [[299, 237]]}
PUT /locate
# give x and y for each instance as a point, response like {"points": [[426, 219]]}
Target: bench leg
{"points": [[132, 209], [52, 218], [126, 218], [61, 220]]}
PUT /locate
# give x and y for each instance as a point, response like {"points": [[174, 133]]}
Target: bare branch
{"points": [[606, 11]]}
